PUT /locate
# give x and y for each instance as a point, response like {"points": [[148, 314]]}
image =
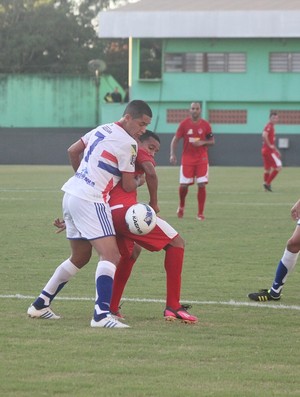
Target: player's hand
{"points": [[173, 159], [198, 143], [60, 224], [295, 211]]}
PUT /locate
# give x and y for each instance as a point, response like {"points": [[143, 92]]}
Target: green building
{"points": [[241, 59]]}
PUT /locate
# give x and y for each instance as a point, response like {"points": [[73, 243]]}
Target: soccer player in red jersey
{"points": [[197, 136], [270, 154], [163, 236]]}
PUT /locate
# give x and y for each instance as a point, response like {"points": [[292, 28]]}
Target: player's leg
{"points": [[202, 180], [267, 161], [276, 168], [94, 221], [173, 266], [284, 268], [164, 236], [81, 251], [124, 268], [287, 263], [186, 178]]}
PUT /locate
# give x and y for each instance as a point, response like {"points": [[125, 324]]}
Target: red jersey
{"points": [[118, 195], [191, 132], [270, 130]]}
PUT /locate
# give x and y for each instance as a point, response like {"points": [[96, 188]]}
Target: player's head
{"points": [[195, 110], [274, 117], [150, 142], [137, 115]]}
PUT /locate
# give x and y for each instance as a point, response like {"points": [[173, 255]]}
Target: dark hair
{"points": [[273, 113], [137, 109], [149, 134]]}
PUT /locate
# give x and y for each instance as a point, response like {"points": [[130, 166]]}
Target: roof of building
{"points": [[202, 18]]}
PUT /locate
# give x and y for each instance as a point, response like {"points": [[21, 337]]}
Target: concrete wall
{"points": [[49, 146]]}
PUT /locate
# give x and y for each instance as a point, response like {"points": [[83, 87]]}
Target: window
{"points": [[150, 58], [284, 62], [225, 62]]}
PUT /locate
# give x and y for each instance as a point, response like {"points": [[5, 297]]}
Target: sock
{"points": [[271, 177], [266, 176], [122, 274], [183, 191], [201, 196], [61, 276], [104, 281], [173, 266], [285, 266]]}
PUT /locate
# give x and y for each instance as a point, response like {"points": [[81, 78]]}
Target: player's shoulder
{"points": [[204, 121], [143, 156], [268, 127]]}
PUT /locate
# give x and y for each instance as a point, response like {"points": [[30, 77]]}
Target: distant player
{"points": [[197, 137], [270, 154]]}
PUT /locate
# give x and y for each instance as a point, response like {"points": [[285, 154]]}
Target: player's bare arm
{"points": [[129, 181], [75, 152], [152, 184], [173, 147]]}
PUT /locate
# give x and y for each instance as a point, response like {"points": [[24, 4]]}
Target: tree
{"points": [[48, 36]]}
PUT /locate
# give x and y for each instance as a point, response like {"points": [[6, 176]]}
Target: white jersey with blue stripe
{"points": [[109, 151]]}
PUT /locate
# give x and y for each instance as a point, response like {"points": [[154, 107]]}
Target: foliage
{"points": [[48, 36]]}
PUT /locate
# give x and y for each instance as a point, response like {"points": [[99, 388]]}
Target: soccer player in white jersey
{"points": [[109, 157], [285, 266]]}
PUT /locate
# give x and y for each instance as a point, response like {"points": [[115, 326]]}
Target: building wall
{"points": [[51, 100], [257, 90], [49, 146]]}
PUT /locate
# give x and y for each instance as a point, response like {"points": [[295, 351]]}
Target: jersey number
{"points": [[100, 138]]}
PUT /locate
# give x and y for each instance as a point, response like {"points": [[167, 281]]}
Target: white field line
{"points": [[146, 300]]}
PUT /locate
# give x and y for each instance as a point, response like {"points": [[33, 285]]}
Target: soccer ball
{"points": [[140, 218]]}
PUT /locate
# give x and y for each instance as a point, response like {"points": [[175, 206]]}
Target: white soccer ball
{"points": [[140, 218]]}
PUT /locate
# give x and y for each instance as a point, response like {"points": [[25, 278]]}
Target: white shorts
{"points": [[190, 173], [85, 219]]}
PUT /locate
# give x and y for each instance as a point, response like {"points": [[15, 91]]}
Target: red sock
{"points": [[183, 191], [122, 274], [271, 177], [173, 266], [266, 176], [201, 199]]}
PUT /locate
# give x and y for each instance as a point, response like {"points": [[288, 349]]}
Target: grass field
{"points": [[238, 348]]}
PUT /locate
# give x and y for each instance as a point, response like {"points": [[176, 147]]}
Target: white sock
{"points": [[62, 274]]}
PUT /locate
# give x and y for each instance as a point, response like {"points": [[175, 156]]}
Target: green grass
{"points": [[237, 348]]}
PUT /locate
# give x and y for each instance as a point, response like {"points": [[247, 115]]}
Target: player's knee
{"points": [[80, 260], [178, 242], [293, 245]]}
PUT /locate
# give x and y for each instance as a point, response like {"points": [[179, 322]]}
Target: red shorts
{"points": [[271, 160], [156, 240], [191, 173]]}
